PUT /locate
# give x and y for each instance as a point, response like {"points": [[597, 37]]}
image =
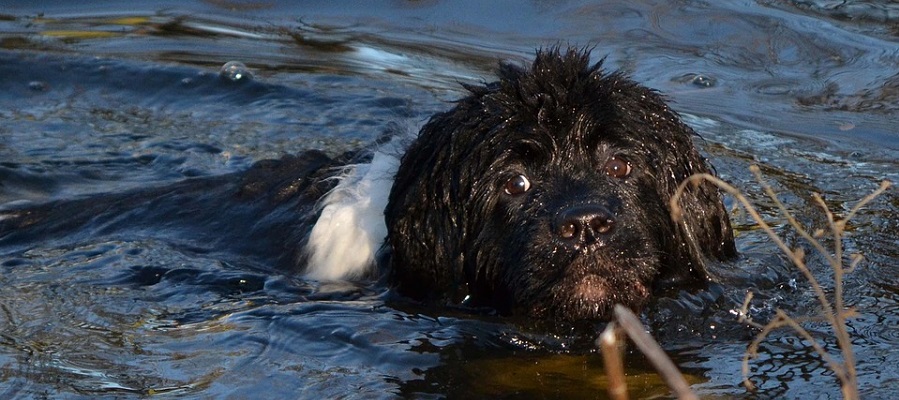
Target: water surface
{"points": [[100, 98]]}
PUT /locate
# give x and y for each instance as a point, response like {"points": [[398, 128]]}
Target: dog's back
{"points": [[265, 211]]}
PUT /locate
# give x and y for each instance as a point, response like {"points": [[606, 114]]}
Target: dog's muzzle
{"points": [[584, 224]]}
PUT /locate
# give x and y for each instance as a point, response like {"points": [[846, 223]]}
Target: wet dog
{"points": [[544, 194]]}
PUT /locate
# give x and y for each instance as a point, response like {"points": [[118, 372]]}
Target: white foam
{"points": [[351, 226]]}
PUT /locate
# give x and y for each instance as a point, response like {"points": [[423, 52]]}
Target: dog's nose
{"points": [[584, 224]]}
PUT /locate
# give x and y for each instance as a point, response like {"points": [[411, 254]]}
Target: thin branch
{"points": [[611, 347], [787, 214], [677, 214], [653, 352], [884, 185], [836, 314]]}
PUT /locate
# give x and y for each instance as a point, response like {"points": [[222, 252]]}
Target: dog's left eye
{"points": [[618, 167], [517, 185]]}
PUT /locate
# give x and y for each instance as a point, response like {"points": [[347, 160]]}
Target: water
{"points": [[96, 98]]}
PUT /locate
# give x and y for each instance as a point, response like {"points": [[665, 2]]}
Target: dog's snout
{"points": [[584, 224]]}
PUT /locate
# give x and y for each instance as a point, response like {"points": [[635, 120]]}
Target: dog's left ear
{"points": [[703, 230]]}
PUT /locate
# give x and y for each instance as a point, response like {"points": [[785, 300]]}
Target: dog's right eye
{"points": [[517, 185], [618, 167]]}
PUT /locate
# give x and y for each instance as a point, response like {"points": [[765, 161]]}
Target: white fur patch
{"points": [[351, 226]]}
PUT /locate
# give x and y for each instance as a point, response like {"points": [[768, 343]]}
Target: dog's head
{"points": [[547, 194]]}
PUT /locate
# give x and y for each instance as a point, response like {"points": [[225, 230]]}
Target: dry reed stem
{"points": [[611, 348], [836, 314], [634, 329]]}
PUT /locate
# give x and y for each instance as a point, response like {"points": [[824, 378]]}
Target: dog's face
{"points": [[546, 194]]}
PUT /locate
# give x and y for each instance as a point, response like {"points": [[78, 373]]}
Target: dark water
{"points": [[99, 97]]}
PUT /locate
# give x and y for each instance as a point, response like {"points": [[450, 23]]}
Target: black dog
{"points": [[545, 194]]}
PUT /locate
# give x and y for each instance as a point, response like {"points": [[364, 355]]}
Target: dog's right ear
{"points": [[423, 229]]}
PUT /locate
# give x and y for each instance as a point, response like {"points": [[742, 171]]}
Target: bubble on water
{"points": [[235, 71], [700, 80], [704, 81]]}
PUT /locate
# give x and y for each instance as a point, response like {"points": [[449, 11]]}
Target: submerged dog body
{"points": [[545, 194]]}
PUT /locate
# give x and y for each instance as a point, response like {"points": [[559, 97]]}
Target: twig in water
{"points": [[611, 348], [835, 313], [634, 329]]}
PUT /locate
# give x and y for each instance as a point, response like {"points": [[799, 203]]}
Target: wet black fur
{"points": [[457, 237], [454, 235], [263, 214]]}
